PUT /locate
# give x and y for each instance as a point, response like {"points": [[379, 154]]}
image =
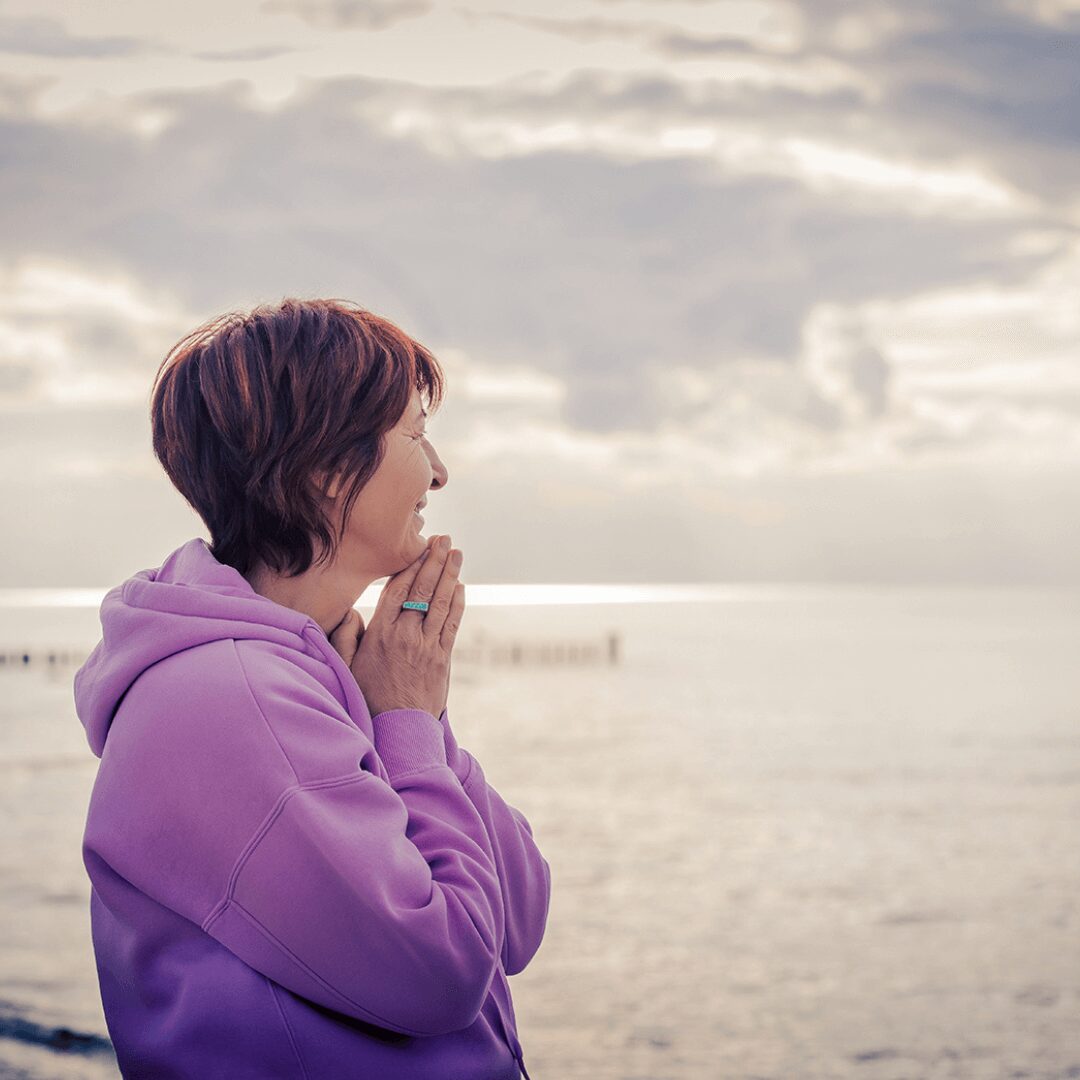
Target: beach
{"points": [[799, 831]]}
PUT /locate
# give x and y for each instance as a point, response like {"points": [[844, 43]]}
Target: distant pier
{"points": [[540, 653], [37, 657], [480, 650]]}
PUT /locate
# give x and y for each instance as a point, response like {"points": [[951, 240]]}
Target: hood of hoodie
{"points": [[187, 601]]}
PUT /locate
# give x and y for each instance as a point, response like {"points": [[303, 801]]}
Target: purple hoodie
{"points": [[282, 884]]}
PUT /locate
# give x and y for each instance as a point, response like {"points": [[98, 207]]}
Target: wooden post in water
{"points": [[613, 647]]}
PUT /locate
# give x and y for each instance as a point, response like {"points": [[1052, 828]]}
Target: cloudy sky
{"points": [[744, 290]]}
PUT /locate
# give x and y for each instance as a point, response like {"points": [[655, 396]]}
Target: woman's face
{"points": [[384, 534]]}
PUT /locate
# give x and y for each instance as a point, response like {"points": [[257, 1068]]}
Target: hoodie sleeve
{"points": [[524, 874], [379, 899]]}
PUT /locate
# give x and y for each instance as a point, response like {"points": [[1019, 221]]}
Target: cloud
{"points": [[602, 400], [662, 37], [18, 379], [596, 271], [991, 81], [845, 368], [582, 30], [800, 304], [682, 45], [254, 52], [71, 335], [34, 35], [349, 14], [765, 51], [986, 88]]}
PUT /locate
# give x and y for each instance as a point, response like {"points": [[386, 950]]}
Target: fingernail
{"points": [[427, 552]]}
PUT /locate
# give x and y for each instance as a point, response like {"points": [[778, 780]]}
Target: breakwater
{"points": [[482, 649]]}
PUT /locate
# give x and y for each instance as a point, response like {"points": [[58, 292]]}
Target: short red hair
{"points": [[246, 408]]}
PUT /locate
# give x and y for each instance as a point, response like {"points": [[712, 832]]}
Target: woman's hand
{"points": [[401, 660]]}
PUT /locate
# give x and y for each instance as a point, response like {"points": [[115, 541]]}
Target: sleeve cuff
{"points": [[408, 739], [461, 761]]}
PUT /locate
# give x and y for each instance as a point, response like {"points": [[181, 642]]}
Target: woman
{"points": [[296, 871]]}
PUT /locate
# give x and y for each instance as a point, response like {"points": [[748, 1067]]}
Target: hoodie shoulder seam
{"points": [[262, 713]]}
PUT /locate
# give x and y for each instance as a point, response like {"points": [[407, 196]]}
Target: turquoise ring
{"points": [[415, 605]]}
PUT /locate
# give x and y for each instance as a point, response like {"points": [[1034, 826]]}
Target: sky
{"points": [[724, 291]]}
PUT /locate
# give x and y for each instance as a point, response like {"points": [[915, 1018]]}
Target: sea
{"points": [[796, 832]]}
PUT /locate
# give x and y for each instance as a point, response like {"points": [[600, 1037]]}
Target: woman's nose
{"points": [[441, 475]]}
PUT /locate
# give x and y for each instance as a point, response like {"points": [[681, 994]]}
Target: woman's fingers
{"points": [[453, 617], [426, 580], [345, 637], [397, 589], [442, 597]]}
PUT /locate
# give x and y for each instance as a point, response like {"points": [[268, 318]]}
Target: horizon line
{"points": [[544, 593]]}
